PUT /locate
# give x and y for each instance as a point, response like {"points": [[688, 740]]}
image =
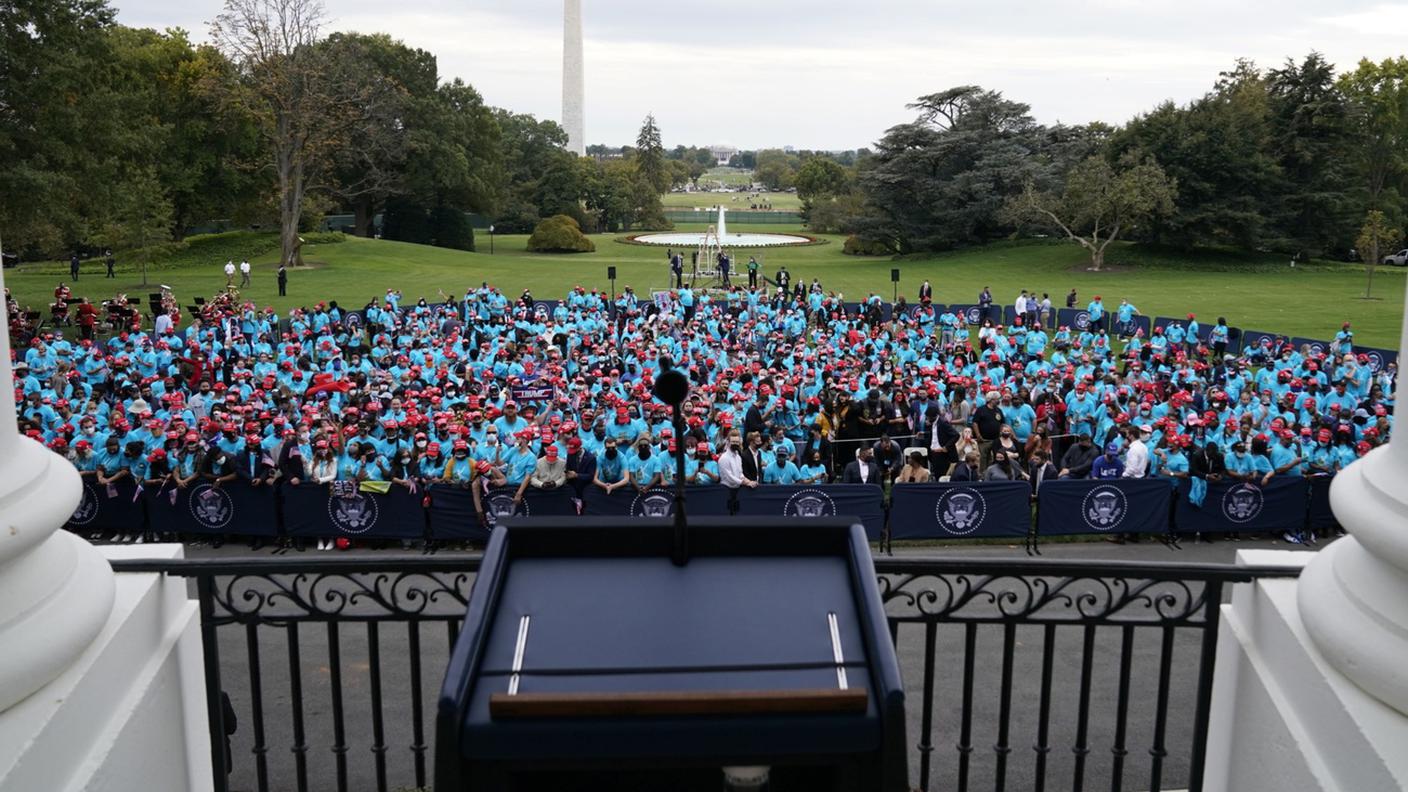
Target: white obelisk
{"points": [[722, 231], [573, 121], [56, 590]]}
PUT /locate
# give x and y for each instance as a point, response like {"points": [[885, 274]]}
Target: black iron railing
{"points": [[1066, 654]]}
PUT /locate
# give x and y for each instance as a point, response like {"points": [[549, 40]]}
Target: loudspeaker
{"points": [[611, 272], [894, 276]]}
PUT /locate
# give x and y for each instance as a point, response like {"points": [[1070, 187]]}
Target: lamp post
{"points": [[491, 239]]}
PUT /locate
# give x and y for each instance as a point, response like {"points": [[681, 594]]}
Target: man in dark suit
{"points": [[753, 457], [862, 470], [926, 292], [581, 465]]}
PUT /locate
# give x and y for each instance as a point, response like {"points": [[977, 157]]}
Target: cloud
{"points": [[831, 74]]}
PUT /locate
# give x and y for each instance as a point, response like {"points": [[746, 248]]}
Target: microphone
{"points": [[672, 387]]}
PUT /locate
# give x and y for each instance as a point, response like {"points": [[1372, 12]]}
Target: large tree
{"points": [[940, 181], [650, 155], [1310, 141], [541, 177], [52, 139], [304, 102], [1100, 204], [1219, 150], [1377, 94]]}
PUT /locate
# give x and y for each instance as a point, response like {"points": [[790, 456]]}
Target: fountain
{"points": [[718, 236]]}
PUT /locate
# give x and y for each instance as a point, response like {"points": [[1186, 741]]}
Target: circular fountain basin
{"points": [[695, 239]]}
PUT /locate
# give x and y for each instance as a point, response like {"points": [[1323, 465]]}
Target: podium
{"points": [[588, 660]]}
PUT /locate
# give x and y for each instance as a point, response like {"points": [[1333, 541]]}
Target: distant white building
{"points": [[722, 154]]}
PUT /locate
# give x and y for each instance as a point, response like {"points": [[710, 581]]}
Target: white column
{"points": [[573, 92], [56, 590], [723, 232], [1353, 597]]}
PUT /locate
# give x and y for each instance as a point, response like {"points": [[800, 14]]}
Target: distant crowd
{"points": [[789, 386]]}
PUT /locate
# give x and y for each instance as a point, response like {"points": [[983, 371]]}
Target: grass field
{"points": [[781, 202], [1259, 293], [728, 177]]}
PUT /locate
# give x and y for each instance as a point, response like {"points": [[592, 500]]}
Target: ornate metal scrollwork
{"points": [[273, 597], [960, 597]]}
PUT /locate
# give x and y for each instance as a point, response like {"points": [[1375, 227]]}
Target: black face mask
{"points": [[645, 453], [734, 446], [611, 453]]}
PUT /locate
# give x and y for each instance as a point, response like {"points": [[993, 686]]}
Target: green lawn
{"points": [[729, 177], [781, 202], [1257, 293]]}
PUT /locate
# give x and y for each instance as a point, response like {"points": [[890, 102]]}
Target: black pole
{"points": [[672, 387], [681, 547]]}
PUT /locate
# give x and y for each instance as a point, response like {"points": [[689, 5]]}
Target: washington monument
{"points": [[572, 91]]}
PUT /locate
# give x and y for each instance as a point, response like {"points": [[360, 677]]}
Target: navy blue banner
{"points": [[1116, 327], [1317, 347], [863, 501], [103, 510], [1088, 506], [452, 514], [973, 510], [1251, 340], [1378, 358], [706, 501], [971, 312], [1243, 506], [324, 511], [1319, 509], [203, 508], [1077, 319]]}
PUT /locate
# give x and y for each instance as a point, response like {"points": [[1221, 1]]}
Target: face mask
{"points": [[420, 444], [611, 453], [492, 440], [645, 452]]}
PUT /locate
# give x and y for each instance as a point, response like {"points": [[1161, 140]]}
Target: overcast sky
{"points": [[834, 75]]}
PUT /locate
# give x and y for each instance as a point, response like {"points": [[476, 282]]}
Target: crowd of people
{"points": [[789, 386]]}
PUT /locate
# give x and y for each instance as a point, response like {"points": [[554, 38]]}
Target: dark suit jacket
{"points": [[851, 475], [751, 464], [961, 472]]}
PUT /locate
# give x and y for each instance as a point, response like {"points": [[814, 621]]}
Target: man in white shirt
{"points": [[230, 272], [244, 272], [1020, 306], [731, 464], [1136, 461], [163, 324]]}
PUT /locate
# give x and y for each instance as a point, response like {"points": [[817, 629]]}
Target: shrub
{"points": [[324, 238], [855, 246], [559, 234]]}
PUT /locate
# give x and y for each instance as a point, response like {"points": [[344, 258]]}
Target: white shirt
{"points": [[731, 469], [1136, 462], [163, 324], [229, 268], [244, 267], [1020, 306]]}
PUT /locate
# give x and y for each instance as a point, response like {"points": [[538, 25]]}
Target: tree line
{"points": [[1294, 159], [118, 137]]}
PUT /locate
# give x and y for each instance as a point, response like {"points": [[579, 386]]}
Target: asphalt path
{"points": [[401, 671]]}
